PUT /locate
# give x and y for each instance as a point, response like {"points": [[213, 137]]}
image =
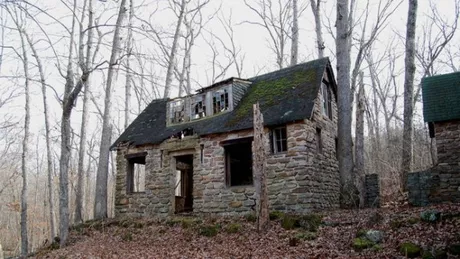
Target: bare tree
{"points": [[172, 53], [100, 203], [85, 63], [359, 147], [316, 9], [129, 49], [409, 89], [234, 50], [345, 143], [277, 21], [295, 34]]}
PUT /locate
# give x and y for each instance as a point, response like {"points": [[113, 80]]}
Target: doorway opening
{"points": [[184, 184]]}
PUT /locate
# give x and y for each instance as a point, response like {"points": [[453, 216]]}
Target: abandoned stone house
{"points": [[441, 110], [194, 153]]}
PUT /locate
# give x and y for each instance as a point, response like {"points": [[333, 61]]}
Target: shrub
{"points": [[233, 228], [306, 236], [209, 230], [251, 217], [289, 222], [310, 222], [276, 214]]}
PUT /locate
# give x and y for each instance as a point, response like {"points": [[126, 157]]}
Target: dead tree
{"points": [[100, 203], [409, 90], [260, 177]]}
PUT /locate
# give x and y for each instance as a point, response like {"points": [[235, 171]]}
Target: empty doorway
{"points": [[184, 184]]}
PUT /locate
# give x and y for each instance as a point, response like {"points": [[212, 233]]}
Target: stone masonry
{"points": [[299, 180], [372, 187]]}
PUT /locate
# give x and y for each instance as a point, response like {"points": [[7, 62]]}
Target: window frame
{"points": [[226, 100], [274, 140]]}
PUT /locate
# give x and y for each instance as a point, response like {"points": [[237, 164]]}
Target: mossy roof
{"points": [[441, 97], [285, 95]]}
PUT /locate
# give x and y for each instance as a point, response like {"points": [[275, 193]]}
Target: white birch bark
{"points": [[100, 203], [409, 90], [172, 54], [128, 65], [295, 34]]}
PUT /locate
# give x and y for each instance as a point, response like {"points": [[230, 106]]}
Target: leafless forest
{"points": [[75, 73]]}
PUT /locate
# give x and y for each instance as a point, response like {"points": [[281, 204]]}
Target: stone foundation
{"points": [[448, 141], [372, 187]]}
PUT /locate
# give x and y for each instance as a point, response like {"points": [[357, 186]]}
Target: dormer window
{"points": [[198, 107], [177, 111], [220, 101]]}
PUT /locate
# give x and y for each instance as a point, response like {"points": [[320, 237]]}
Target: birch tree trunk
{"points": [[25, 149], [345, 144], [260, 178], [409, 91], [85, 66], [100, 204], [172, 54], [359, 147], [315, 8], [49, 156], [295, 34]]}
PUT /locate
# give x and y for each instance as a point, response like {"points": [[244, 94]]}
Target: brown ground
{"points": [[148, 239]]}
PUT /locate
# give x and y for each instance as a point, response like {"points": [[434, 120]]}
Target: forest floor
{"points": [[435, 230]]}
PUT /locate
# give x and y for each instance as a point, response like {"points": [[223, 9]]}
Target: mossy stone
{"points": [[454, 249], [360, 244], [409, 249], [436, 254]]}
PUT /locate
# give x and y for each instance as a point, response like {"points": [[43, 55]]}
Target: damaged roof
{"points": [[285, 95], [441, 97]]}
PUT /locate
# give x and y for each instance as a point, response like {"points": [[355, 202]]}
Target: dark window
{"points": [[326, 100], [198, 107], [238, 163], [279, 140], [135, 180], [220, 101], [319, 141], [177, 111]]}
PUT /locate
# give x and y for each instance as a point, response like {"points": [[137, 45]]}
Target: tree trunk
{"points": [[172, 54], [260, 178], [409, 91], [128, 65], [100, 204], [345, 144], [359, 147], [295, 34], [25, 149], [315, 8], [49, 155]]}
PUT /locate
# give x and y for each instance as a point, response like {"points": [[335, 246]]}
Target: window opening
{"points": [[239, 163], [326, 100], [220, 101], [136, 174], [198, 107], [279, 140], [177, 111], [319, 141]]}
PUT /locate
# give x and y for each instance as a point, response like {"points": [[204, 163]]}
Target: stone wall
{"points": [[372, 187], [448, 141], [299, 180], [439, 184]]}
